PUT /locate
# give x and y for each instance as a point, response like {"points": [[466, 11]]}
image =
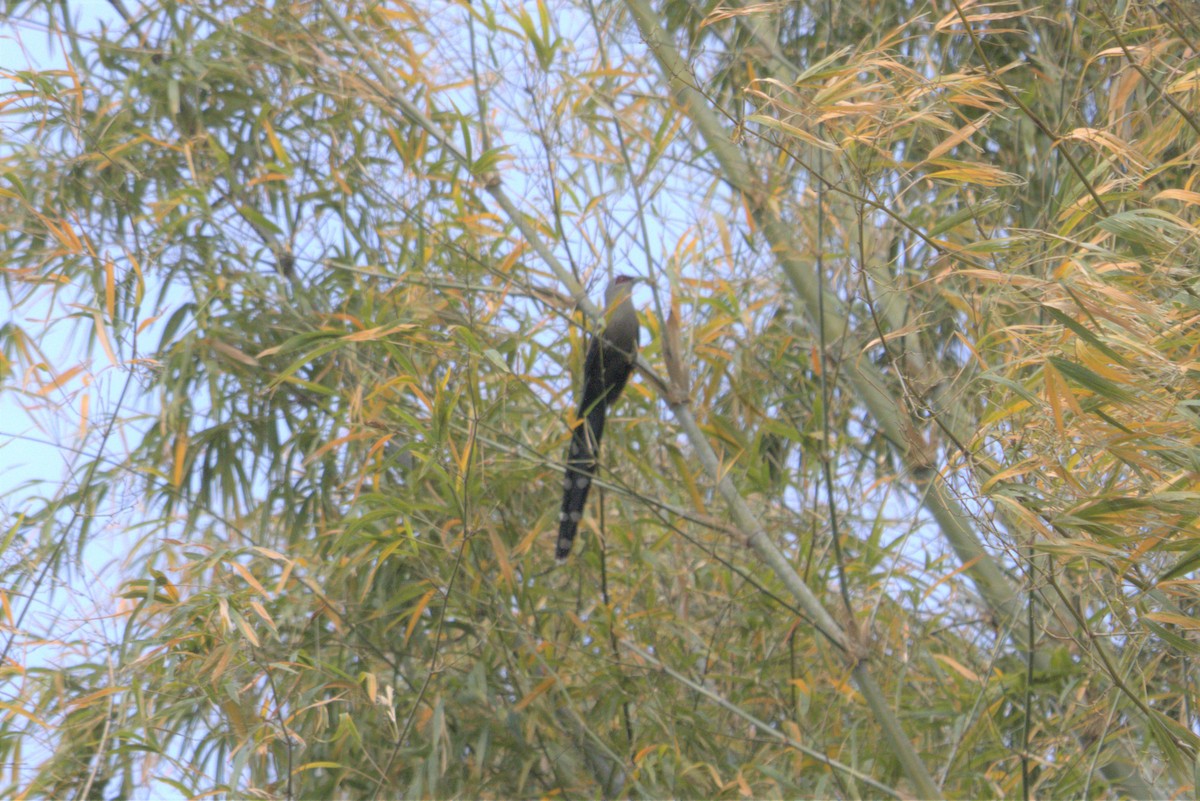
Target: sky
{"points": [[31, 446], [40, 435], [38, 441]]}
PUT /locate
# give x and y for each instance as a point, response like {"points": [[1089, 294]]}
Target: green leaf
{"points": [[1087, 379]]}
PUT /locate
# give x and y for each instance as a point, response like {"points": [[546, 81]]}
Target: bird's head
{"points": [[620, 289]]}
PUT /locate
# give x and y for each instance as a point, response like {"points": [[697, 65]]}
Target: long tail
{"points": [[581, 469]]}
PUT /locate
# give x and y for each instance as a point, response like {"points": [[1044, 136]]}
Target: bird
{"points": [[606, 368]]}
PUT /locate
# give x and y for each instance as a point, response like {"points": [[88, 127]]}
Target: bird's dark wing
{"points": [[606, 370]]}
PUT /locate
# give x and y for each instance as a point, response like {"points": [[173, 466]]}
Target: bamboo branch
{"points": [[867, 381], [761, 727]]}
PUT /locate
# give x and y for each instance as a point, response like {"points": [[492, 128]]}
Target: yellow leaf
{"points": [[181, 446], [87, 699], [328, 446], [16, 710], [221, 664], [1020, 469], [247, 632], [234, 714], [963, 568], [418, 610], [1185, 195], [791, 130], [1101, 365], [501, 553], [542, 686], [945, 23], [997, 277], [848, 690], [640, 755], [957, 667], [149, 321], [102, 335], [977, 173], [276, 145], [141, 283], [372, 686], [1186, 83], [267, 552], [1183, 621], [60, 379], [743, 786], [261, 611], [110, 293], [266, 178], [378, 332], [1141, 549], [958, 137], [283, 577], [249, 577], [233, 353], [1106, 140], [1029, 518], [1052, 397]]}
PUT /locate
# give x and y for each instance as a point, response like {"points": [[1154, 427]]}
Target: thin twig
{"points": [[1028, 112], [759, 725]]}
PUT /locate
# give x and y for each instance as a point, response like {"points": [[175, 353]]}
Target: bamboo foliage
{"points": [[299, 291]]}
